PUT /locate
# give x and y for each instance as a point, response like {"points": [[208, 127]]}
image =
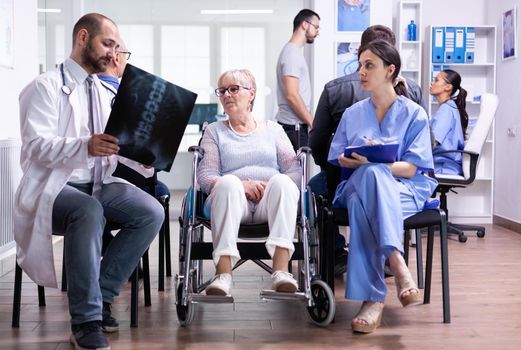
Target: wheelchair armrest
{"points": [[198, 149], [304, 149]]}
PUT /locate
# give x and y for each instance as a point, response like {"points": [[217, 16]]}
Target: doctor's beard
{"points": [[98, 64]]}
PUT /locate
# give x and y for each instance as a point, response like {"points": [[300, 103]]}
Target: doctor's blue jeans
{"points": [[81, 218]]}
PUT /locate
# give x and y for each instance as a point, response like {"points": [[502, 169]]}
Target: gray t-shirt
{"points": [[292, 63]]}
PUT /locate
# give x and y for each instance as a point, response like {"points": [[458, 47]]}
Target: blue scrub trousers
{"points": [[377, 204]]}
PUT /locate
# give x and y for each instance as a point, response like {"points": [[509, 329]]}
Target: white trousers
{"points": [[229, 208]]}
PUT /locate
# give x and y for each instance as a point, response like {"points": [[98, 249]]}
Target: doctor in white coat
{"points": [[67, 187]]}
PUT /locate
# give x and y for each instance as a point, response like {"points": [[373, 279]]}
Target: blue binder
{"points": [[450, 34], [470, 44], [434, 73], [382, 153], [438, 44], [459, 45]]}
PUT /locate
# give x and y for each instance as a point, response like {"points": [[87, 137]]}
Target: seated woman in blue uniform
{"points": [[449, 122], [380, 196]]}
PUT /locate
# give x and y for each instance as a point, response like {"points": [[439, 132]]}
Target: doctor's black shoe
{"points": [[89, 336], [109, 324]]}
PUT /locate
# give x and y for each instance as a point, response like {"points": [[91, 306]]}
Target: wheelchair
{"points": [[315, 293]]}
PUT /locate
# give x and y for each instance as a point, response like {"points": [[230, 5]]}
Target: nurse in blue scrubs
{"points": [[380, 196], [449, 122]]}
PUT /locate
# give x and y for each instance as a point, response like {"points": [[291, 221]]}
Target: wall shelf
{"points": [[410, 51], [472, 204]]}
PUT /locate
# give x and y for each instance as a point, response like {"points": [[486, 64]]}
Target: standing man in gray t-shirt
{"points": [[293, 81]]}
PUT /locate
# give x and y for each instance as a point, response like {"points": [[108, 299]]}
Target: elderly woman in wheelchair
{"points": [[251, 173], [251, 183]]}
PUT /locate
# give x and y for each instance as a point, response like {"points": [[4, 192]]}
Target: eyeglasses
{"points": [[128, 53], [314, 25], [232, 90]]}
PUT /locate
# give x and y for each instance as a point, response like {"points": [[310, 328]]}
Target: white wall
{"points": [[507, 191], [323, 52], [470, 12], [25, 66]]}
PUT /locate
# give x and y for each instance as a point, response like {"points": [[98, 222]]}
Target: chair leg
{"points": [[161, 273], [327, 249], [164, 245], [406, 242], [428, 266], [64, 275], [134, 298], [41, 296], [419, 258], [167, 238], [444, 268], [17, 298], [146, 279]]}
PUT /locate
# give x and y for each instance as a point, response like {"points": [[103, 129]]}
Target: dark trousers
{"points": [[299, 137]]}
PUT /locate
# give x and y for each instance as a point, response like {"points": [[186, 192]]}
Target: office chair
{"points": [[470, 157]]}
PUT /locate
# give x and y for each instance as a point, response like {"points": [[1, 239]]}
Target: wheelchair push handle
{"points": [[198, 149]]}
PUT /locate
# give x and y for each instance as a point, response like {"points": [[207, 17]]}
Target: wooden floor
{"points": [[485, 278]]}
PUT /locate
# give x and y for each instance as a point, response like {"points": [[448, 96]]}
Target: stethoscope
{"points": [[111, 89], [65, 86], [66, 89]]}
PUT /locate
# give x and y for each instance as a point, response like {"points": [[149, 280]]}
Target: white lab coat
{"points": [[51, 149]]}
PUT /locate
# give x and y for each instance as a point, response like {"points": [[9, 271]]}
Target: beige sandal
{"points": [[370, 312], [406, 284]]}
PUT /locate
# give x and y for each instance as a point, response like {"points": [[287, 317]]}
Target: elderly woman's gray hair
{"points": [[242, 77]]}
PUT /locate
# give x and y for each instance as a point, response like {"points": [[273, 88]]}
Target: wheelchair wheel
{"points": [[323, 312], [185, 314]]}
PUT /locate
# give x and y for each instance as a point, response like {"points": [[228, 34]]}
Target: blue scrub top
{"points": [[405, 123], [446, 127]]}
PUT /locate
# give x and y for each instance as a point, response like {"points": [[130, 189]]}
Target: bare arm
{"points": [[291, 88], [403, 169]]}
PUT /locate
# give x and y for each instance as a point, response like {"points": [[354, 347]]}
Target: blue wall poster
{"points": [[353, 15], [346, 58]]}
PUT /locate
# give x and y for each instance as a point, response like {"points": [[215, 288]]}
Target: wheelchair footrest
{"points": [[214, 299], [271, 294]]}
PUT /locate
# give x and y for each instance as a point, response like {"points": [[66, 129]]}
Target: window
{"points": [[185, 58], [59, 42], [139, 39], [244, 47]]}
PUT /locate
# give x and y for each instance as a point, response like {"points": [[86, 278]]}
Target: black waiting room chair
{"points": [[432, 219], [164, 255]]}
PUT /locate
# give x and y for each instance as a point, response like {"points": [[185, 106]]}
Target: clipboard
{"points": [[149, 117], [382, 153]]}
